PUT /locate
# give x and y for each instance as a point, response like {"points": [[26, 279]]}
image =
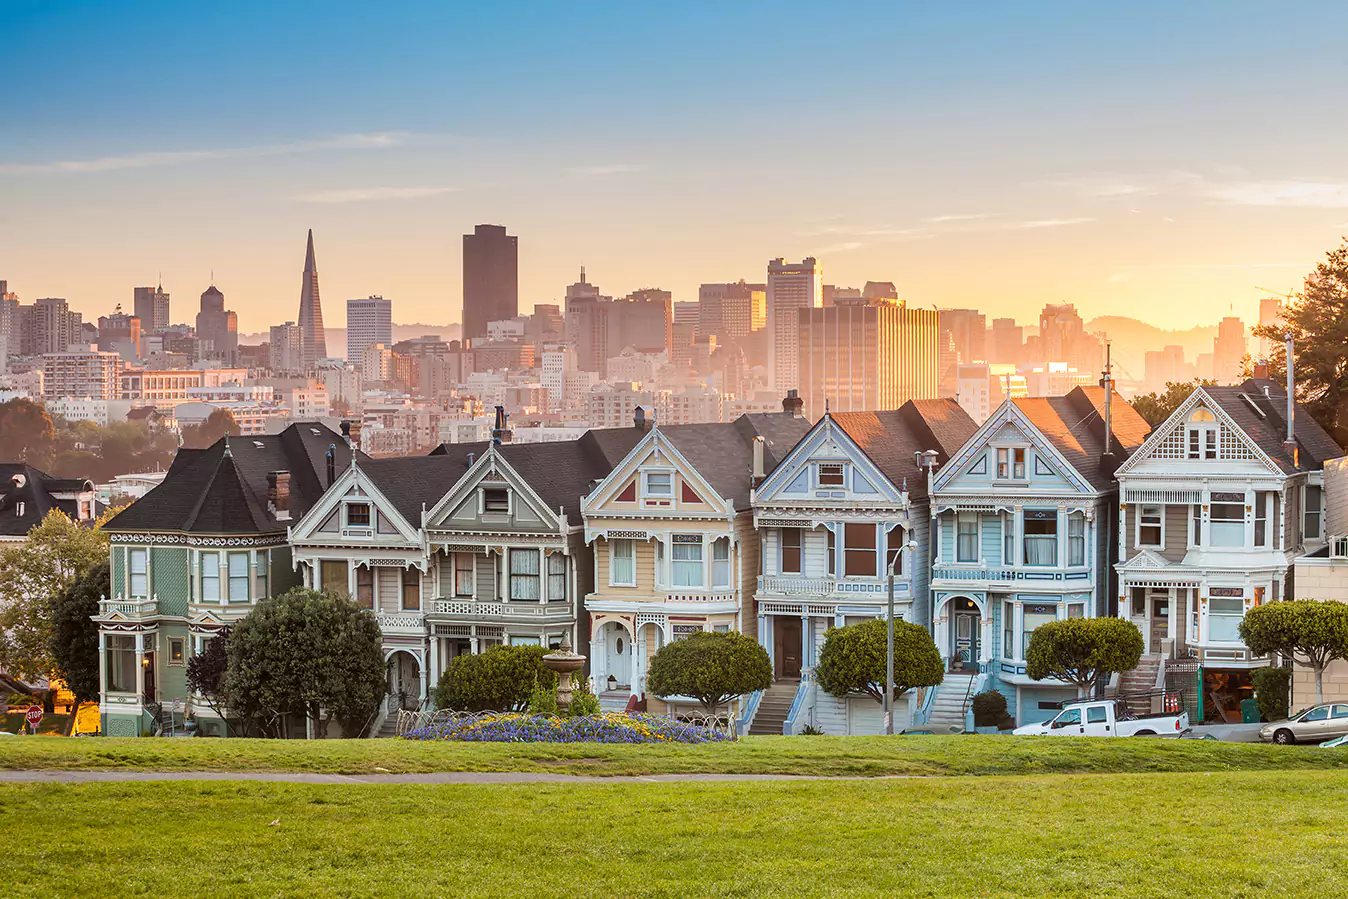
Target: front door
{"points": [[619, 657], [786, 646], [964, 635], [149, 676], [1160, 622]]}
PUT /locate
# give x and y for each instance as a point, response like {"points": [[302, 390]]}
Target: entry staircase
{"points": [[1141, 679], [947, 709], [774, 707], [614, 700]]}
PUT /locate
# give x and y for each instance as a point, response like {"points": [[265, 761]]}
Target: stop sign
{"points": [[34, 715]]}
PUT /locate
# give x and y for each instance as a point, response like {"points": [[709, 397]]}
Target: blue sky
{"points": [[1150, 161]]}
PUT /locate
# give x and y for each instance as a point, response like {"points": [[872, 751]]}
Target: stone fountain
{"points": [[564, 662]]}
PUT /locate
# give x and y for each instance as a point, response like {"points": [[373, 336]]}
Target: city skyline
{"points": [[957, 172]]}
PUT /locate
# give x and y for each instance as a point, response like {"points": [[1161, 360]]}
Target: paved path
{"points": [[444, 777]]}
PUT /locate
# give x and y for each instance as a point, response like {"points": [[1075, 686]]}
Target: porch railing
{"points": [[127, 608], [524, 609], [802, 705]]}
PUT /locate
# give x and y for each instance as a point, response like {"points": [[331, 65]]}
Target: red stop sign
{"points": [[34, 714]]}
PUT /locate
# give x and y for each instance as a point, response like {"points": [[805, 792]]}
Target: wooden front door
{"points": [[1160, 622], [149, 677], [786, 646]]}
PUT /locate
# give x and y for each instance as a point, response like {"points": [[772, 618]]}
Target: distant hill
{"points": [[336, 337], [1131, 339]]}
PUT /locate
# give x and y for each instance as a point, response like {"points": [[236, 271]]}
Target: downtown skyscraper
{"points": [[491, 278], [368, 321], [790, 289], [313, 343]]}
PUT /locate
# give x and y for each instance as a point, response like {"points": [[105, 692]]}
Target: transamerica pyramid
{"points": [[313, 345]]}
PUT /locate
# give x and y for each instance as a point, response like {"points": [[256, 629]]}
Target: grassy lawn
{"points": [[1163, 835], [922, 755]]}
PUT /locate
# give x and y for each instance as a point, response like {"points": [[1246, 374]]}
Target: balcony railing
{"points": [[1009, 573], [128, 608], [401, 621], [701, 596], [795, 585], [469, 608]]}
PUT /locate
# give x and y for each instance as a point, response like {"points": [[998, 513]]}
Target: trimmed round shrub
{"points": [[502, 679], [989, 708], [710, 667], [1271, 686]]}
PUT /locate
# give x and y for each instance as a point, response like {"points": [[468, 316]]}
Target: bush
{"points": [[710, 667], [1271, 686], [989, 709], [1083, 651], [853, 659], [502, 679]]}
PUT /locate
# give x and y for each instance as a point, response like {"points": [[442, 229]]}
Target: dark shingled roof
{"points": [[724, 453], [37, 494], [223, 489], [891, 438], [1075, 425], [1269, 429]]}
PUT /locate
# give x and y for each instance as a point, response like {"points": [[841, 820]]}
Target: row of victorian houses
{"points": [[771, 526]]}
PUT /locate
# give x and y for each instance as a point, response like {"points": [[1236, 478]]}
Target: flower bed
{"points": [[517, 727]]}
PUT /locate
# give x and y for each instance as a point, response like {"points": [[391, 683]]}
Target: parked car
{"points": [[1313, 725], [1115, 718]]}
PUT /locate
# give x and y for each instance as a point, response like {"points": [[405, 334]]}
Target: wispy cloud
{"points": [[939, 226], [844, 247], [599, 171], [1288, 192], [1132, 271], [362, 194], [152, 159], [1034, 224], [960, 217], [1225, 186]]}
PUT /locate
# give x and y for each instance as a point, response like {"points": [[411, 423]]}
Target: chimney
{"points": [[500, 433], [760, 447], [639, 417], [793, 405], [278, 494], [1260, 371], [1289, 445], [332, 463]]}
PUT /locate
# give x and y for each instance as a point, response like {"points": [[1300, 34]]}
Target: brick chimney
{"points": [[793, 405], [278, 494], [1260, 370]]}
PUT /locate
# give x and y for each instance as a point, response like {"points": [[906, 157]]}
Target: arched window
{"points": [[1202, 434]]}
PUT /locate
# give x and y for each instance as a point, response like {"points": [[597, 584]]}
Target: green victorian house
{"points": [[196, 554]]}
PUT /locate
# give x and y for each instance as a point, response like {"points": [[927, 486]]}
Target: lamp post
{"points": [[889, 643]]}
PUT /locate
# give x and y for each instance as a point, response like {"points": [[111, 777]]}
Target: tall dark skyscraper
{"points": [[217, 327], [313, 343], [491, 278], [152, 308]]}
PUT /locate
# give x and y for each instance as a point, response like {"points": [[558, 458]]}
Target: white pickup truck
{"points": [[1114, 718]]}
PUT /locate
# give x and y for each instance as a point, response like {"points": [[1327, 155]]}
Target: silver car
{"points": [[1313, 725]]}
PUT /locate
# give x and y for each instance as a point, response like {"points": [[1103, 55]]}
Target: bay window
{"points": [[894, 546], [365, 587], [791, 538], [1008, 539], [832, 550], [556, 576], [524, 575], [332, 577], [1008, 630], [720, 562], [1032, 617], [238, 577], [686, 560], [411, 593], [1311, 512], [1226, 526], [263, 574], [120, 652], [1261, 519], [1224, 617], [859, 550], [1076, 539], [623, 564], [210, 577], [1196, 529], [1041, 536], [1151, 526], [463, 574], [966, 537], [138, 564]]}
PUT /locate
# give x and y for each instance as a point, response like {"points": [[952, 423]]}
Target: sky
{"points": [[1170, 162]]}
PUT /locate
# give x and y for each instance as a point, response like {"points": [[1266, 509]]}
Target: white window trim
{"points": [[482, 500], [612, 546], [346, 514], [818, 477], [729, 564], [1137, 527], [978, 540], [1010, 449], [646, 483]]}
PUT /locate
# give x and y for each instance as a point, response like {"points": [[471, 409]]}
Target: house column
{"points": [[140, 664], [422, 685], [1176, 620], [763, 632], [434, 662], [804, 642]]}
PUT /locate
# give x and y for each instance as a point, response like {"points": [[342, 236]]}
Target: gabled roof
{"points": [[36, 490], [1075, 425], [1269, 429], [223, 489], [723, 453], [892, 437]]}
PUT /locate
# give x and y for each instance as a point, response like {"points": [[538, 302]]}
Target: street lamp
{"points": [[889, 642]]}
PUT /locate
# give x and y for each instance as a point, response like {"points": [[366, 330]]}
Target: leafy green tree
{"points": [[1271, 686], [1083, 651], [315, 654], [1313, 632], [1317, 319], [217, 425], [33, 575], [713, 668], [502, 679], [206, 672], [26, 433], [1157, 407], [74, 640], [853, 659]]}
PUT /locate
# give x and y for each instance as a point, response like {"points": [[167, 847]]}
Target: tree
{"points": [[1271, 686], [853, 659], [74, 639], [1313, 632], [502, 679], [206, 673], [33, 574], [26, 433], [1157, 407], [218, 424], [1317, 319], [304, 652], [1083, 651], [710, 667]]}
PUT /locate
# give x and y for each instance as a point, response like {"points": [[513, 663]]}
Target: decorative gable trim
{"points": [[1178, 423], [1008, 425], [653, 444], [491, 469], [352, 482], [827, 441]]}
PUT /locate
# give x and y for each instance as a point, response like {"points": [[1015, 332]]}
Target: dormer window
{"points": [[1202, 435], [496, 499], [659, 484], [830, 474], [1011, 463], [358, 515]]}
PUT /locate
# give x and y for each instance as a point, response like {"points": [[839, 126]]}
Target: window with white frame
{"points": [[332, 576], [791, 551], [1011, 463], [622, 564], [1224, 617], [411, 593], [720, 562], [120, 652], [894, 546], [686, 560], [686, 630], [358, 515], [210, 577], [1076, 610], [661, 579], [1041, 536], [1311, 512], [1261, 531], [524, 575], [1033, 615], [1202, 435], [496, 500], [1151, 526], [238, 577], [1196, 525], [966, 537], [1008, 539], [1076, 539], [659, 484], [831, 474], [1008, 630], [1226, 524], [556, 576], [263, 574], [138, 564], [365, 587], [859, 550], [831, 549], [463, 574], [176, 652]]}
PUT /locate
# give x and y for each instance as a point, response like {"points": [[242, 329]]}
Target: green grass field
{"points": [[1152, 835], [831, 756]]}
